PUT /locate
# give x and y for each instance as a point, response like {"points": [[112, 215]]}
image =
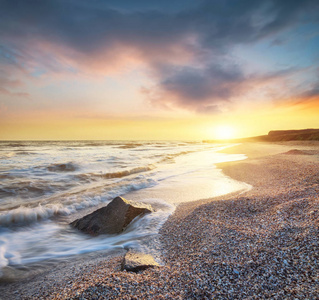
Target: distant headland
{"points": [[278, 136]]}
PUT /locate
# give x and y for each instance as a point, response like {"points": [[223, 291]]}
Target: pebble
{"points": [[268, 235]]}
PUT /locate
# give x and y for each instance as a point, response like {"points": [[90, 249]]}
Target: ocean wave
{"points": [[23, 190], [7, 155], [26, 188], [15, 145], [23, 152], [71, 203], [169, 158], [130, 145], [6, 192], [128, 172], [111, 175], [62, 167], [26, 215], [50, 240], [6, 176], [11, 154]]}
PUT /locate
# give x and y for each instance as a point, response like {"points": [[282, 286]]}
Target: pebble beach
{"points": [[258, 244]]}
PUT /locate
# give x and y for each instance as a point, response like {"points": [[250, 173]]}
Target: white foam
{"points": [[7, 155], [28, 233], [48, 240], [26, 215], [194, 176], [3, 260]]}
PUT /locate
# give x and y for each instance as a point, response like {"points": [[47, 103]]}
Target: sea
{"points": [[45, 185]]}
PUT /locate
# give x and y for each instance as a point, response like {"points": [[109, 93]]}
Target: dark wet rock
{"points": [[137, 261], [113, 218]]}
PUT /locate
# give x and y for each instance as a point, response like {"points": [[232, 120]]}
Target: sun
{"points": [[224, 132]]}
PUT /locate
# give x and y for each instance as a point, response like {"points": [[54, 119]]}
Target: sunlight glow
{"points": [[224, 132]]}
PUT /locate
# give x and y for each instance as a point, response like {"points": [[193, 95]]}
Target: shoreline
{"points": [[240, 245]]}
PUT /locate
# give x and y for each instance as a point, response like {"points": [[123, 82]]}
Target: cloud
{"points": [[307, 98], [201, 88], [95, 26], [7, 84], [185, 48], [217, 88]]}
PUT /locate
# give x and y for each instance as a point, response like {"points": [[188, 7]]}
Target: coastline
{"points": [[256, 244]]}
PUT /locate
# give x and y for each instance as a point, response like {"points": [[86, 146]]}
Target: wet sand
{"points": [[259, 244]]}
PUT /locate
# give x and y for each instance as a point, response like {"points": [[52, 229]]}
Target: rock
{"points": [[136, 261], [112, 218], [296, 152]]}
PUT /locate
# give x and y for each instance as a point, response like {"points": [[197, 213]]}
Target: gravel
{"points": [[256, 245]]}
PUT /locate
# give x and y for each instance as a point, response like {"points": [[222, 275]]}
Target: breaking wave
{"points": [[129, 146], [70, 203], [31, 188], [26, 215], [169, 158], [120, 174], [41, 193], [7, 155]]}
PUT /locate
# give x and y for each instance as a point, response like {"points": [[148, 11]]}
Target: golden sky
{"points": [[141, 70]]}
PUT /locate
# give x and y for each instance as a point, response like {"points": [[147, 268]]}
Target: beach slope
{"points": [[262, 243]]}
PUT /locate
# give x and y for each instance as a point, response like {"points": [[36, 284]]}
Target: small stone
{"points": [[136, 261]]}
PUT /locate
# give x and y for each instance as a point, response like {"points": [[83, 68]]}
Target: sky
{"points": [[150, 70]]}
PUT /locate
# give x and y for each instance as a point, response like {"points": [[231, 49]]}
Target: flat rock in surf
{"points": [[113, 218], [136, 261]]}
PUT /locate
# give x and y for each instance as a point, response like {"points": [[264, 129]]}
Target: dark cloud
{"points": [[88, 26], [158, 32], [197, 87], [213, 88]]}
